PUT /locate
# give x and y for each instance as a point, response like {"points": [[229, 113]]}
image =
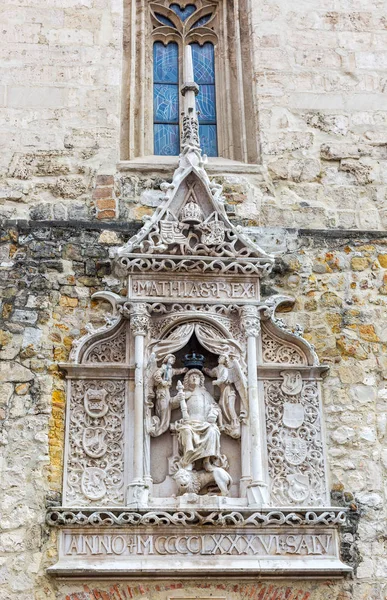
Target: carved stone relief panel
{"points": [[111, 350], [294, 442], [277, 351], [95, 444]]}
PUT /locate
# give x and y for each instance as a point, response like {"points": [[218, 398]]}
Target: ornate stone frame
{"points": [[237, 110], [187, 266]]}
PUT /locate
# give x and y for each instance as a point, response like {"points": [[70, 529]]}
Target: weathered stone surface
{"points": [[14, 371]]}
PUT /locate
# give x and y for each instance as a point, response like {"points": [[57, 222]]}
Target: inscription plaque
{"points": [[163, 288], [239, 551], [212, 544]]}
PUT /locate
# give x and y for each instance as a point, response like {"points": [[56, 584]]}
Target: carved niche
{"points": [[194, 417]]}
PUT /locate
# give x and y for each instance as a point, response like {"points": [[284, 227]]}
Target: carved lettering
{"points": [[144, 544], [194, 290], [212, 544]]}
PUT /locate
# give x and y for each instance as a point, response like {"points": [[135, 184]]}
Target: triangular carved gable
{"points": [[192, 222]]}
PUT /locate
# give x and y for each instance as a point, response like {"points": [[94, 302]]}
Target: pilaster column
{"points": [[257, 492], [139, 325]]}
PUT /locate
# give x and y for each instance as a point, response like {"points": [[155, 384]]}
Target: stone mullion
{"points": [[257, 489], [139, 325]]}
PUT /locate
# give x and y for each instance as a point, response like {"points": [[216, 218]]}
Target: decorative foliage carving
{"points": [[108, 351], [95, 464], [295, 446], [178, 236], [139, 319], [273, 518], [279, 351], [250, 321]]}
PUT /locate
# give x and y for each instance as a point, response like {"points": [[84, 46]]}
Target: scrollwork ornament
{"points": [[295, 445], [63, 517], [95, 465]]}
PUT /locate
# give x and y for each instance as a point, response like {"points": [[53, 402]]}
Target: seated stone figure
{"points": [[198, 432]]}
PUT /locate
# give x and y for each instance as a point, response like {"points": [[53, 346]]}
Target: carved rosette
{"points": [[250, 321], [139, 319]]}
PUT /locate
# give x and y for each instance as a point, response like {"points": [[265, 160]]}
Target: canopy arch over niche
{"points": [[211, 336]]}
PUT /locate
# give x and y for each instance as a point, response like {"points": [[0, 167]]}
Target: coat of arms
{"points": [[296, 450], [95, 403], [94, 441], [294, 415], [298, 487], [93, 483], [292, 382]]}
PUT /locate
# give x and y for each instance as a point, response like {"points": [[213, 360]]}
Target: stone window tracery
{"points": [[156, 34]]}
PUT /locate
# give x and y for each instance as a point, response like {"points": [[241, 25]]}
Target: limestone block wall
{"points": [[320, 83], [320, 76]]}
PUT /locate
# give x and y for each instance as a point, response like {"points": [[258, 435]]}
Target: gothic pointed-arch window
{"points": [[156, 34], [186, 24]]}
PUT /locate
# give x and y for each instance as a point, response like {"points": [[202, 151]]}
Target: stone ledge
{"points": [[133, 227], [270, 543], [168, 164]]}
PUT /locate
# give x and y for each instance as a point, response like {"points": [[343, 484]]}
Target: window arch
{"points": [[217, 30]]}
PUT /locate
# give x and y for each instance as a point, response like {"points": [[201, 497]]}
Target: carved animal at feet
{"points": [[192, 482]]}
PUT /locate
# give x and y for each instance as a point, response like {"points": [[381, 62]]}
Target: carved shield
{"points": [[95, 403], [296, 450], [94, 441], [213, 233], [292, 382], [93, 483], [298, 487], [294, 415]]}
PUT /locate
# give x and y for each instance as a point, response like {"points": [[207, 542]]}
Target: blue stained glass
{"points": [[165, 63], [204, 63], [165, 20], [166, 99], [208, 139], [166, 140], [166, 103], [204, 72], [202, 21], [183, 13], [206, 104]]}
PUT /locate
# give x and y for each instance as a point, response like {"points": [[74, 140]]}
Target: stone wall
{"points": [[320, 78], [48, 275]]}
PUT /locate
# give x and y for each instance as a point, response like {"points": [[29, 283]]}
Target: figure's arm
{"points": [[179, 371], [159, 379], [222, 377], [211, 372], [175, 401], [158, 376]]}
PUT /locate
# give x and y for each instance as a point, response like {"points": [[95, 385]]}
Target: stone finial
{"points": [[189, 90]]}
